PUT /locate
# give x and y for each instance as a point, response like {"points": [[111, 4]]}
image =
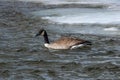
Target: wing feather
{"points": [[65, 43]]}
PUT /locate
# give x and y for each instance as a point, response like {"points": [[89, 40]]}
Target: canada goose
{"points": [[63, 42]]}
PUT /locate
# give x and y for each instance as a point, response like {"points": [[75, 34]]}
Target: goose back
{"points": [[65, 43]]}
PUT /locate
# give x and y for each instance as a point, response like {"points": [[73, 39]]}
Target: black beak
{"points": [[37, 34]]}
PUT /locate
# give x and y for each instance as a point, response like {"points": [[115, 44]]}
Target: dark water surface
{"points": [[23, 57]]}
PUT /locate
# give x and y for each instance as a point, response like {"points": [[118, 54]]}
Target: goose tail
{"points": [[87, 43]]}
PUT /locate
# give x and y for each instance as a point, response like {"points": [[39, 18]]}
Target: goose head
{"points": [[41, 32]]}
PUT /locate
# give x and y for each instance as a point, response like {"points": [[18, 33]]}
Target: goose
{"points": [[63, 42]]}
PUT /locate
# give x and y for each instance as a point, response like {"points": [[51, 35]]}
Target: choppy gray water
{"points": [[23, 57]]}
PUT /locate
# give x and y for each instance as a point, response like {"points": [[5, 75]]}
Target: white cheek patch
{"points": [[77, 46], [43, 33]]}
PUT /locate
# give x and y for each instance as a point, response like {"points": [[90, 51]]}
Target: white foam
{"points": [[83, 19], [77, 16], [111, 29]]}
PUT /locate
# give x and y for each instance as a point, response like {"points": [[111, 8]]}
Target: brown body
{"points": [[65, 43]]}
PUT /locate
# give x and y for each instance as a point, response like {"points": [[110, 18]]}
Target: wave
{"points": [[78, 16], [72, 1], [113, 4], [83, 19]]}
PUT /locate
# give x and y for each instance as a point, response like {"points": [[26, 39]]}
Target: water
{"points": [[72, 1], [78, 15], [23, 56], [106, 18], [84, 16]]}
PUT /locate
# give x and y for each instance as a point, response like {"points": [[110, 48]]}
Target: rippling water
{"points": [[23, 57], [72, 1]]}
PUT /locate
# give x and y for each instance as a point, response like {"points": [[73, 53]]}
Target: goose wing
{"points": [[65, 43]]}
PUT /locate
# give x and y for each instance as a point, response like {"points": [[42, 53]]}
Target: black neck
{"points": [[46, 37]]}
